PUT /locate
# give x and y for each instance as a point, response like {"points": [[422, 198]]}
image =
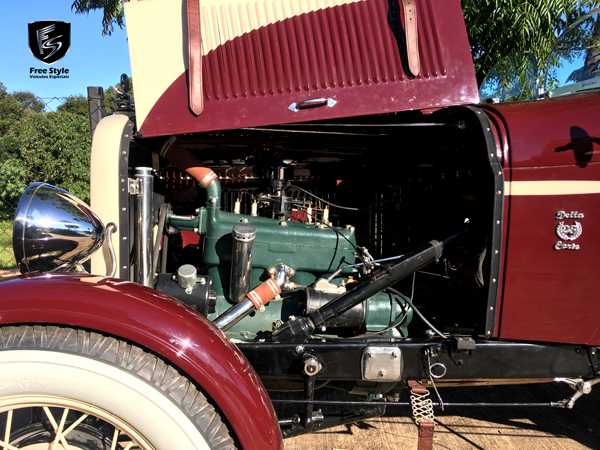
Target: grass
{"points": [[7, 259]]}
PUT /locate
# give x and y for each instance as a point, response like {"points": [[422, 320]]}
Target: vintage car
{"points": [[306, 194]]}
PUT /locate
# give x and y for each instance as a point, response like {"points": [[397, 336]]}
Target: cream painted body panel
{"points": [[104, 183], [551, 187], [157, 36]]}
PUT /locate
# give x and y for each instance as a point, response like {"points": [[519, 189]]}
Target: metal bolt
{"points": [[394, 355], [492, 155], [292, 318], [323, 328], [124, 267], [460, 362], [202, 280], [369, 354], [495, 252], [311, 366], [499, 192], [493, 280], [197, 210], [381, 373], [500, 173], [244, 220], [299, 349], [497, 222], [491, 308], [123, 209], [488, 333], [124, 238]]}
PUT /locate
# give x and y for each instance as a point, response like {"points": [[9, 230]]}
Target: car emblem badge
{"points": [[567, 232]]}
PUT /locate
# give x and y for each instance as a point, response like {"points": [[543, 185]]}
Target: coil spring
{"points": [[422, 407]]}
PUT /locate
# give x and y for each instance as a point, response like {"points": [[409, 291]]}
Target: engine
{"points": [[320, 221], [286, 235]]}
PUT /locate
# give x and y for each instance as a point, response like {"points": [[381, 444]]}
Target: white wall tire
{"points": [[120, 384]]}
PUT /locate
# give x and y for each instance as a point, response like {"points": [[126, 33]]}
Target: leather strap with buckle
{"points": [[195, 93], [411, 30]]}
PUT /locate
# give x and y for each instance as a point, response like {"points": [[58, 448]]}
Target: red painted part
{"points": [[189, 238], [160, 324], [552, 295], [348, 53], [264, 293], [553, 132]]}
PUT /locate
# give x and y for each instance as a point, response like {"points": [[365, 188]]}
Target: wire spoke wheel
{"points": [[65, 424], [69, 389]]}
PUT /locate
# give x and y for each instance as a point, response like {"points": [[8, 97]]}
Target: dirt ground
{"points": [[5, 273], [501, 428]]}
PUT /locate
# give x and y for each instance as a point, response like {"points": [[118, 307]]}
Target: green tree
{"points": [[12, 185], [75, 104], [55, 147], [113, 12], [29, 101], [498, 28], [11, 111]]}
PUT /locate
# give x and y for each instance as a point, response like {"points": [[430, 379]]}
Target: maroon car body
{"points": [[314, 195]]}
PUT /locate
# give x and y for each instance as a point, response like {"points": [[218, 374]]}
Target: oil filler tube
{"points": [[301, 328], [243, 236]]}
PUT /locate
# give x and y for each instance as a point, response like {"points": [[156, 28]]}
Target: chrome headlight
{"points": [[53, 230]]}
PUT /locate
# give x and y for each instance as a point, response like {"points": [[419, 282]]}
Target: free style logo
{"points": [[49, 40]]}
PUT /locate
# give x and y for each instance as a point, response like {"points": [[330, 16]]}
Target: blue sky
{"points": [[92, 60]]}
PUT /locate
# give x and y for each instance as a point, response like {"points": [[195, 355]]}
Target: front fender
{"points": [[162, 325]]}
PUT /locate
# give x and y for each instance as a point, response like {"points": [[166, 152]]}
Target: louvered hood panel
{"points": [[261, 57]]}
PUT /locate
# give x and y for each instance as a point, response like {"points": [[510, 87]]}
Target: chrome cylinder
{"points": [[234, 314], [241, 261], [143, 214]]}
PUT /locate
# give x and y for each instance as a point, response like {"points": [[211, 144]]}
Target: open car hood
{"points": [[219, 64]]}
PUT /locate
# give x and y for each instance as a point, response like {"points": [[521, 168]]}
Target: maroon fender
{"points": [[159, 323]]}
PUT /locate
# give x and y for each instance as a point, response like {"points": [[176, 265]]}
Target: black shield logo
{"points": [[49, 40]]}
